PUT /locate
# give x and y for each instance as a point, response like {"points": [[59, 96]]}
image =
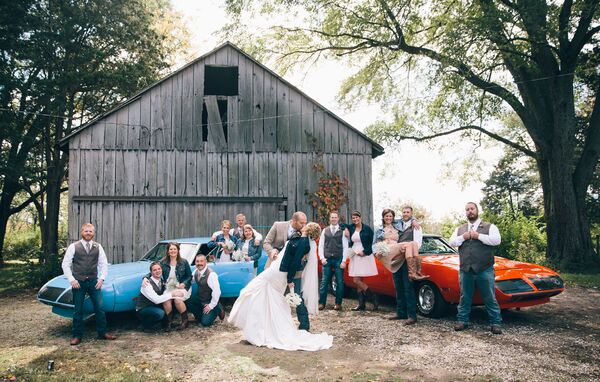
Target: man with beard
{"points": [[476, 240]]}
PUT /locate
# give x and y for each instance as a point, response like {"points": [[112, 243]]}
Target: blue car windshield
{"points": [[435, 245], [187, 251]]}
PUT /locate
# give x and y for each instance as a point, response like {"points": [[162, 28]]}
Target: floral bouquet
{"points": [[237, 255], [293, 299], [350, 253], [171, 284], [229, 246], [381, 248]]}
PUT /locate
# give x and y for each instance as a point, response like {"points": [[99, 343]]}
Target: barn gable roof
{"points": [[377, 148]]}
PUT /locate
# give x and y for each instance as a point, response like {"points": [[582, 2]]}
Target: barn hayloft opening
{"points": [[222, 112], [221, 80]]}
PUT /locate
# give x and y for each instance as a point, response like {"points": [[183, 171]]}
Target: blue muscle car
{"points": [[122, 285]]}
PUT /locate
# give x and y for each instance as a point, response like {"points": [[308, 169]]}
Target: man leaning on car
{"points": [[476, 240], [89, 269]]}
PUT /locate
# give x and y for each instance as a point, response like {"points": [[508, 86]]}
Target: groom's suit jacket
{"points": [[277, 236], [294, 256]]}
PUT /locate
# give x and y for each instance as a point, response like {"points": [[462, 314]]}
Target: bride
{"points": [[263, 314]]}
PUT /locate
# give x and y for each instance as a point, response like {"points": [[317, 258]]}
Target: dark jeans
{"points": [[88, 286], [301, 311], [332, 266], [196, 306], [484, 281], [406, 302], [150, 316]]}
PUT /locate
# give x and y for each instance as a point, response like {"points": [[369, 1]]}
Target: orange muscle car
{"points": [[518, 284]]}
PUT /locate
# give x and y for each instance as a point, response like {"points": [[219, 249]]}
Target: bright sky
{"points": [[408, 172]]}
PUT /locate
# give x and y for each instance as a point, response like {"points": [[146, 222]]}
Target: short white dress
{"points": [[172, 285], [361, 266]]}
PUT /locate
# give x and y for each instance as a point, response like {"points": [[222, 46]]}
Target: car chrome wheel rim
{"points": [[426, 299]]}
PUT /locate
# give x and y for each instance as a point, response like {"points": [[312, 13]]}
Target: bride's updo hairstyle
{"points": [[313, 230]]}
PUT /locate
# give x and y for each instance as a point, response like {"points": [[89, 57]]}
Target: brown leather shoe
{"points": [[396, 318], [459, 326], [321, 306], [409, 321], [107, 336], [337, 307], [495, 329], [75, 341], [221, 312]]}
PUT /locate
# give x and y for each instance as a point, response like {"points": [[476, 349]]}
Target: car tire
{"points": [[430, 302]]}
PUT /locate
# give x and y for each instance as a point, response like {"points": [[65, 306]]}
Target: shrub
{"points": [[22, 245]]}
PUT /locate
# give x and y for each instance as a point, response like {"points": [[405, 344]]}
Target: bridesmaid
{"points": [[177, 275], [248, 246], [222, 241], [363, 263]]}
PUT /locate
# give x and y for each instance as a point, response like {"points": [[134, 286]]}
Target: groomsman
{"points": [[281, 232], [150, 308], [204, 305], [89, 269], [238, 231], [333, 246], [476, 240]]}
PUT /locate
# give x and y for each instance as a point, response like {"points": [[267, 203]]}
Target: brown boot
{"points": [[168, 321], [419, 267], [374, 298], [184, 321], [412, 269], [361, 301]]}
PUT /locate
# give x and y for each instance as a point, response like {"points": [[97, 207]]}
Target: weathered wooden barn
{"points": [[222, 135]]}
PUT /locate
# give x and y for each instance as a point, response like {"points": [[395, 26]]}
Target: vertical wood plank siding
{"points": [[153, 147]]}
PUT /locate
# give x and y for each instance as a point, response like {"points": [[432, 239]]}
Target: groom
{"points": [[293, 262]]}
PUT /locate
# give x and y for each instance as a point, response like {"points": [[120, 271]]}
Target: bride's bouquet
{"points": [[293, 299], [350, 253], [171, 284], [381, 248], [237, 255]]}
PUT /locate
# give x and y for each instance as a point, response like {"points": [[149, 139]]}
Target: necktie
{"points": [[87, 247], [198, 276]]}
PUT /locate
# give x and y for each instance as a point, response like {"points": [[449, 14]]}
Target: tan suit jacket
{"points": [[276, 238]]}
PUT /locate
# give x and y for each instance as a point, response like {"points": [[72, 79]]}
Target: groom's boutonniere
{"points": [[94, 245]]}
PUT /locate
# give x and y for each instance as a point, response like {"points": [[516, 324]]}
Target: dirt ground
{"points": [[559, 341]]}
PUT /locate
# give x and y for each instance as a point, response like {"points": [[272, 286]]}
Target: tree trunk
{"points": [[8, 194], [568, 231]]}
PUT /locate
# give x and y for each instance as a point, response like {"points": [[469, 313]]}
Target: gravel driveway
{"points": [[559, 341]]}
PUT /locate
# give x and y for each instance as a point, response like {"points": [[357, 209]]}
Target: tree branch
{"points": [[497, 137], [27, 202]]}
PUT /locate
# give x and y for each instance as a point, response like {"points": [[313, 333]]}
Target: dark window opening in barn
{"points": [[222, 103], [221, 80]]}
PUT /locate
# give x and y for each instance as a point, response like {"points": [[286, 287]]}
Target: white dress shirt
{"points": [[151, 294], [213, 283], [257, 235], [70, 253], [334, 229], [492, 239]]}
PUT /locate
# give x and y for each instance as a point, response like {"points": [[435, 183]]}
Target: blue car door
{"points": [[233, 276]]}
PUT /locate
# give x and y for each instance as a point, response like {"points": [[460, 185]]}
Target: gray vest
{"points": [[204, 291], [144, 302], [407, 235], [85, 265], [473, 254], [333, 243]]}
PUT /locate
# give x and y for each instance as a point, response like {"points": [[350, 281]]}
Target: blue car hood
{"points": [[117, 271]]}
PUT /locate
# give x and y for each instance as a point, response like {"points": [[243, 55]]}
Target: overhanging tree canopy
{"points": [[483, 58]]}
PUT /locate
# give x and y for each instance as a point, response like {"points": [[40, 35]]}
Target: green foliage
{"points": [[523, 237], [22, 245], [588, 280]]}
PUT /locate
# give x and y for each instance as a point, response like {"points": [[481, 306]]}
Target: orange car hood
{"points": [[504, 268]]}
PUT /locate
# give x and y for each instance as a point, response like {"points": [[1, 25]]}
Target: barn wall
{"points": [[152, 148]]}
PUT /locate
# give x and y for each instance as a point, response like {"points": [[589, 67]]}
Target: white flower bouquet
{"points": [[237, 255], [229, 246], [381, 248], [293, 299], [350, 253], [171, 284]]}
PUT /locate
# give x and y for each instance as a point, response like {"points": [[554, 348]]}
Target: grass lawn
{"points": [[582, 280], [13, 277]]}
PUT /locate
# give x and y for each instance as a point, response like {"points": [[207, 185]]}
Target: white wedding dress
{"points": [[264, 316]]}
